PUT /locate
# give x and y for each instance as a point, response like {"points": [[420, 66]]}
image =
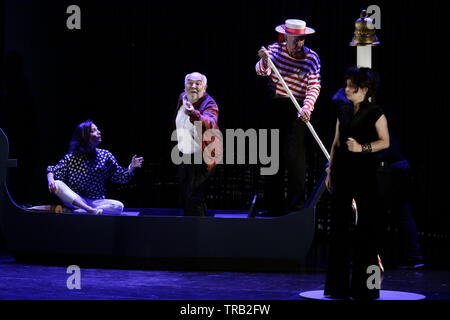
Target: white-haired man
{"points": [[197, 112]]}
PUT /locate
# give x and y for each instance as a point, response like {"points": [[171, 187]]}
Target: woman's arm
{"points": [[119, 174], [383, 135], [335, 144], [51, 182], [332, 153], [57, 172], [374, 146]]}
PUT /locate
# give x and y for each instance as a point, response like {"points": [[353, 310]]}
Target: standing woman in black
{"points": [[361, 130]]}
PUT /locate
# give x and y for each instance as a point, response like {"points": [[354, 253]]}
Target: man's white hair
{"points": [[197, 74]]}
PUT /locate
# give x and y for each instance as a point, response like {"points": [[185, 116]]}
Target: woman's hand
{"points": [[52, 187], [353, 145], [136, 162], [328, 179]]}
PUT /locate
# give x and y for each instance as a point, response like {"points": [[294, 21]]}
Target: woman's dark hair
{"points": [[80, 138], [363, 78]]}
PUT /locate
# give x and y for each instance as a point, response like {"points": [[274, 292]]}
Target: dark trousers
{"points": [[285, 191], [353, 248], [395, 182], [193, 183]]}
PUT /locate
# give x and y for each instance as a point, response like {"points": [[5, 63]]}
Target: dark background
{"points": [[125, 68]]}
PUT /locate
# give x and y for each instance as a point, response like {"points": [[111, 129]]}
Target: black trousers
{"points": [[396, 190], [353, 248], [193, 184], [285, 191]]}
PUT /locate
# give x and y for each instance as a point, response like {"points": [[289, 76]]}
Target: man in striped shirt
{"points": [[300, 68]]}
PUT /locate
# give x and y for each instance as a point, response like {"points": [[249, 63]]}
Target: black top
{"points": [[88, 177], [390, 155], [359, 126]]}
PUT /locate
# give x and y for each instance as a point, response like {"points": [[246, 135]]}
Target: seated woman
{"points": [[80, 178]]}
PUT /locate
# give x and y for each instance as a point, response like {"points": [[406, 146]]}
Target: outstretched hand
{"points": [[136, 162], [188, 107]]}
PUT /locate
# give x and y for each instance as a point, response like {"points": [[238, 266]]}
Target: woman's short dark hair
{"points": [[80, 138], [363, 78]]}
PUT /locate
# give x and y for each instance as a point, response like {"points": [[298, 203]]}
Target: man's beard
{"points": [[192, 96]]}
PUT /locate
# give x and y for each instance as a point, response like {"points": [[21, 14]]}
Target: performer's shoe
{"points": [[337, 293], [366, 296], [337, 297]]}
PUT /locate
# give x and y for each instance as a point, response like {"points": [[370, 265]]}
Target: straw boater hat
{"points": [[294, 27]]}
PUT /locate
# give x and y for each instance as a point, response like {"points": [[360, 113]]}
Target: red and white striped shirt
{"points": [[301, 75]]}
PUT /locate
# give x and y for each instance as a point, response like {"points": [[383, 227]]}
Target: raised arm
{"points": [[262, 66], [209, 115], [118, 174], [312, 93]]}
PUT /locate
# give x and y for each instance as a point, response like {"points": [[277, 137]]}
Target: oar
{"points": [[295, 102], [308, 124]]}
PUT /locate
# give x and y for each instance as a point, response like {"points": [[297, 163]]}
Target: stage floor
{"points": [[21, 281]]}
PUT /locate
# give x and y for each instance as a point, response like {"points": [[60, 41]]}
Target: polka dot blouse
{"points": [[88, 177]]}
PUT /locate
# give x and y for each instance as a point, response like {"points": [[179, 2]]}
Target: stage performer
{"points": [[396, 184], [361, 132], [80, 177], [300, 68], [196, 115]]}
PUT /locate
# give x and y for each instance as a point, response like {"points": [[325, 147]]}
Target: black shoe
{"points": [[366, 295], [337, 297]]}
